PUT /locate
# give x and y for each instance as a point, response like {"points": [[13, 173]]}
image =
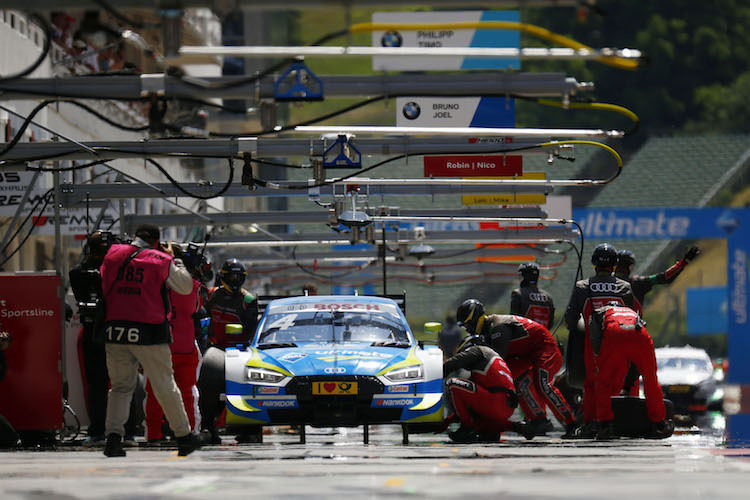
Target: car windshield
{"points": [[690, 364], [332, 326]]}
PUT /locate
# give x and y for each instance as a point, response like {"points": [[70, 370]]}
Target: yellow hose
{"points": [[594, 105], [537, 31], [608, 149]]}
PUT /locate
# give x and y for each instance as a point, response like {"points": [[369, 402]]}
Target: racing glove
{"points": [[691, 254]]}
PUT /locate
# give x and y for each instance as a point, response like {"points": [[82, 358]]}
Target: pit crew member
{"points": [[532, 355], [588, 295]]}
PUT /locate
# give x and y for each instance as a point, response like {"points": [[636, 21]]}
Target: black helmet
{"points": [[469, 341], [605, 255], [625, 259], [468, 314], [232, 275], [529, 271]]}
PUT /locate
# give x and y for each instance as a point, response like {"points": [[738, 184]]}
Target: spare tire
{"points": [[211, 379]]}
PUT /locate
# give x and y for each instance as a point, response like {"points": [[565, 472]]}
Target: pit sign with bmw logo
{"points": [[435, 38]]}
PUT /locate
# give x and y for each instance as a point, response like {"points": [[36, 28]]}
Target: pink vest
{"points": [[137, 294], [183, 328]]}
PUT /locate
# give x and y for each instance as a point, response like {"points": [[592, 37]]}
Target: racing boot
{"points": [[524, 429], [585, 431], [113, 447], [662, 429], [570, 431], [188, 444], [488, 437], [463, 435], [210, 436], [606, 431], [541, 426]]}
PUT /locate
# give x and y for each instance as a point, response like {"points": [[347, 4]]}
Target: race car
{"points": [[334, 361], [686, 375]]}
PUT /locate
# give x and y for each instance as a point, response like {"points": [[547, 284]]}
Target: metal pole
{"points": [[336, 86], [59, 270], [382, 255]]}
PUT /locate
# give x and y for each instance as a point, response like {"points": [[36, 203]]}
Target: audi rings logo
{"points": [[538, 297], [603, 287], [391, 39], [411, 110], [331, 370]]}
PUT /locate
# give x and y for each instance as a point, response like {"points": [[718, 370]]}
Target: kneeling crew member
{"points": [[532, 355], [619, 337], [484, 402], [136, 279]]}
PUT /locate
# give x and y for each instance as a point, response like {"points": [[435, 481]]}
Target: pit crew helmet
{"points": [[468, 314], [605, 255], [625, 259], [529, 271], [232, 275]]}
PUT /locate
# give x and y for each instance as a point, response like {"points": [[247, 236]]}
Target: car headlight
{"points": [[407, 373], [254, 374]]}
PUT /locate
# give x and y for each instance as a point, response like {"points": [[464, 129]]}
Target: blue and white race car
{"points": [[334, 361]]}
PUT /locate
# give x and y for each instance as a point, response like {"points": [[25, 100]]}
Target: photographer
{"points": [[86, 283]]}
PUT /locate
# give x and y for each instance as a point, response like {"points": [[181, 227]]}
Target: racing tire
{"points": [[631, 416], [426, 428], [211, 379], [249, 434]]}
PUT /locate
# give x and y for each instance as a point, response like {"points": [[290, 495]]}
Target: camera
{"points": [[196, 262], [87, 289]]}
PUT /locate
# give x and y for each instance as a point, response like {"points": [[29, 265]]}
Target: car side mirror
{"points": [[433, 328], [233, 329]]}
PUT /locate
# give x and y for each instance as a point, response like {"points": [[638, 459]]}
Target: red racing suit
{"points": [[227, 308], [185, 360], [486, 401], [588, 295], [534, 360], [533, 303], [624, 340], [641, 286]]}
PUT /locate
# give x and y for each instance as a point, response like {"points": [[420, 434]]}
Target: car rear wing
{"points": [[262, 301]]}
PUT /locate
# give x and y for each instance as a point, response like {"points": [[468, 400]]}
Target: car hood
{"points": [[349, 358], [678, 377]]}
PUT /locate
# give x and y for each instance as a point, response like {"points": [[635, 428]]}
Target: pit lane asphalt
{"points": [[335, 464]]}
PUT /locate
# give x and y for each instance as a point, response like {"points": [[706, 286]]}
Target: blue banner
{"points": [[657, 223], [706, 310], [738, 245]]}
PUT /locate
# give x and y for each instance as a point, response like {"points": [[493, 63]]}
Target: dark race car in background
{"points": [[687, 378]]}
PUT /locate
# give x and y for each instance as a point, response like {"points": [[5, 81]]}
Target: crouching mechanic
{"points": [[485, 402], [136, 279], [619, 337], [532, 355]]}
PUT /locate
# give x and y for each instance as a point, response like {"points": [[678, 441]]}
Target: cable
{"points": [[529, 29], [596, 105], [39, 107], [122, 17], [312, 121], [47, 198], [45, 50], [193, 195], [67, 169]]}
